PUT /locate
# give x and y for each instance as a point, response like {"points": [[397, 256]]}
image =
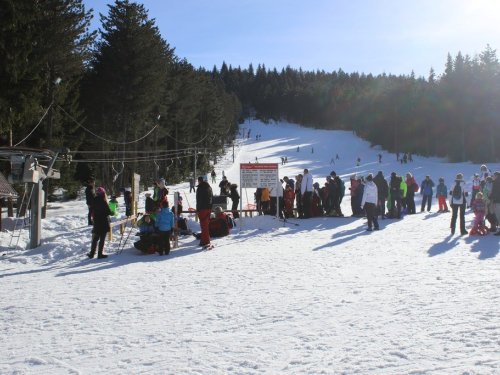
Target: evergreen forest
{"points": [[122, 102]]}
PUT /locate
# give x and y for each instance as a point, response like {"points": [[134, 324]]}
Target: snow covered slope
{"points": [[322, 297]]}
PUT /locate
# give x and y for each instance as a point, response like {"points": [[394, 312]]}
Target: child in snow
{"points": [[441, 192], [476, 187], [479, 208], [113, 205]]}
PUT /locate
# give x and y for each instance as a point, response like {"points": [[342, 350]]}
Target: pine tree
{"points": [[19, 70], [128, 72]]}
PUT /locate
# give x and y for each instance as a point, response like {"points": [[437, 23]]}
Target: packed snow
{"points": [[323, 297]]}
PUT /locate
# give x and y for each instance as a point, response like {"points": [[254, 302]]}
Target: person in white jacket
{"points": [[458, 202], [306, 190], [369, 202]]}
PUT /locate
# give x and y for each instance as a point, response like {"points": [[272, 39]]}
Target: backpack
{"points": [[457, 191], [230, 221], [415, 187]]}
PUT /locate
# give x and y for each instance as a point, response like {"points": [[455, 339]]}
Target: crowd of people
{"points": [[377, 197], [374, 197]]}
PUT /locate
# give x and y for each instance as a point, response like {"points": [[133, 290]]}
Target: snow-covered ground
{"points": [[322, 297]]}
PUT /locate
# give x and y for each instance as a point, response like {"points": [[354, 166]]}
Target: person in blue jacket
{"points": [[426, 192], [165, 225]]}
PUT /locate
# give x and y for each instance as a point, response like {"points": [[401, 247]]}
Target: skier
{"points": [[332, 161], [380, 158], [359, 162]]}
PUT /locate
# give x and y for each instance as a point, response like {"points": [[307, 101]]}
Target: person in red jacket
{"points": [[289, 200]]}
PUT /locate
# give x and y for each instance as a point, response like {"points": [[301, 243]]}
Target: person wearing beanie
{"points": [[113, 205], [101, 210], [369, 202], [441, 192]]}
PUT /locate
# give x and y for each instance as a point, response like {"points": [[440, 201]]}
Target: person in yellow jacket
{"points": [[265, 200], [113, 205]]}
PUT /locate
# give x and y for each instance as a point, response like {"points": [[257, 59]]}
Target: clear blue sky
{"points": [[370, 36]]}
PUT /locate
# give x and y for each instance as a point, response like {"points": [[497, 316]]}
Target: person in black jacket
{"points": [[89, 196], [204, 203], [494, 197], [395, 196], [223, 186], [150, 204], [101, 210], [383, 192], [235, 197]]}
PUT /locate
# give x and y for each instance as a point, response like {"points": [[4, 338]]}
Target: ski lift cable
{"points": [[128, 160], [39, 122], [104, 139], [186, 143]]}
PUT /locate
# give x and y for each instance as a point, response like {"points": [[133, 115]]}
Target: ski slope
{"points": [[324, 297]]}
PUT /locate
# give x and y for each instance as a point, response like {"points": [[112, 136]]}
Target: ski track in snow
{"points": [[324, 297]]}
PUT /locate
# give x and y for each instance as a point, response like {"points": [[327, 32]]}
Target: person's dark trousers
{"points": [[353, 205], [97, 237], [454, 214], [306, 204], [474, 192], [91, 222], [381, 205], [259, 209], [428, 199], [192, 188], [272, 208], [410, 204], [164, 245], [281, 206], [264, 205], [234, 208], [299, 204], [403, 202], [395, 205], [370, 215]]}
